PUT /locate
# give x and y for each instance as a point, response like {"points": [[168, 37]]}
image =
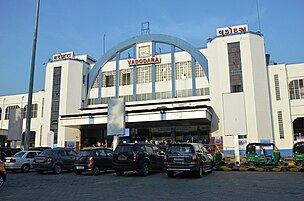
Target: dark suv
{"points": [[139, 157], [93, 160], [55, 160], [187, 157]]}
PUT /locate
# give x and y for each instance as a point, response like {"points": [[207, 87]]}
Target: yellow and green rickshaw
{"points": [[298, 153], [263, 154]]}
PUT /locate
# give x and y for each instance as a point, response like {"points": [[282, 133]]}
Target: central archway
{"points": [[157, 38]]}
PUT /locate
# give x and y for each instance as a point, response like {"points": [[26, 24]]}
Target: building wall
{"points": [[255, 86]]}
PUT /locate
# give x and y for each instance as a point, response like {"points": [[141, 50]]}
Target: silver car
{"points": [[22, 160]]}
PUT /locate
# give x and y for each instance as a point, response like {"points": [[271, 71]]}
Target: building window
{"points": [[95, 83], [108, 79], [144, 74], [7, 111], [296, 89], [199, 72], [183, 70], [93, 101], [33, 113], [125, 77], [163, 72], [235, 67], [55, 102], [280, 122], [0, 113], [277, 87]]}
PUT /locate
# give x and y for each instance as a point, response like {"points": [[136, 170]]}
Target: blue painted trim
{"points": [[117, 75], [173, 71], [193, 76], [159, 38], [284, 152], [134, 75], [99, 86], [153, 72]]}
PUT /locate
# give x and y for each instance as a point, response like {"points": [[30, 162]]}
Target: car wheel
{"points": [[95, 170], [300, 163], [39, 171], [144, 170], [200, 172], [25, 168], [78, 172], [57, 169], [120, 172], [170, 174], [1, 180], [251, 163]]}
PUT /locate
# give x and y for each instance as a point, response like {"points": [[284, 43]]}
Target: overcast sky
{"points": [[79, 26]]}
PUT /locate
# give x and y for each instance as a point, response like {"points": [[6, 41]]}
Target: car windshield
{"points": [[124, 148], [180, 149], [47, 152], [19, 154], [84, 153]]}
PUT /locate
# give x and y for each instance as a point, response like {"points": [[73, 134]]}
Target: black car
{"points": [[187, 157], [7, 152], [139, 157], [55, 160], [93, 160]]}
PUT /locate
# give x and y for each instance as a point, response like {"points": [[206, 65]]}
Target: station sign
{"points": [[65, 55], [150, 60], [232, 30]]}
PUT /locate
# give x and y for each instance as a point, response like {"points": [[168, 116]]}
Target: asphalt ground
{"points": [[219, 186]]}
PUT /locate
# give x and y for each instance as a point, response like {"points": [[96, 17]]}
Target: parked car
{"points": [[22, 160], [55, 160], [38, 148], [93, 160], [7, 152], [139, 157], [2, 174], [187, 157]]}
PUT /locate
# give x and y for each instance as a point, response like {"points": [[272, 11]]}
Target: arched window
{"points": [[296, 89], [7, 110], [33, 113]]}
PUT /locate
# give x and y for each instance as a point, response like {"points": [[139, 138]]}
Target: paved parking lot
{"points": [[107, 186]]}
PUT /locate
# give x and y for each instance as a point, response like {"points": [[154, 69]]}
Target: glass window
{"points": [[101, 152], [235, 67], [31, 154], [149, 149], [62, 153], [7, 110], [71, 152], [19, 154]]}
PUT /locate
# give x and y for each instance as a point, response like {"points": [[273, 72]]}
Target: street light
{"points": [[31, 83]]}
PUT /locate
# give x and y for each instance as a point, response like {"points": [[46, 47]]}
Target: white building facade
{"points": [[172, 92]]}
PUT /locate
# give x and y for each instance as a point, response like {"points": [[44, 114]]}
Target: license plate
{"points": [[79, 167], [178, 160], [39, 161], [122, 157]]}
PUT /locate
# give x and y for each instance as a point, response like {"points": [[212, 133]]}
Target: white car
{"points": [[22, 160]]}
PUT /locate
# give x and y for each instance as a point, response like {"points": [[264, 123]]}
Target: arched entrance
{"points": [[298, 128]]}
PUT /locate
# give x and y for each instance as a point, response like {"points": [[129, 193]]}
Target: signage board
{"points": [[15, 124], [116, 117], [65, 55], [232, 30], [150, 60]]}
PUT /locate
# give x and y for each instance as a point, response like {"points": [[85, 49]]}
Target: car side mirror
{"points": [[161, 153]]}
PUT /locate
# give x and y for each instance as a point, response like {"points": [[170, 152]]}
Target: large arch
{"points": [[158, 38]]}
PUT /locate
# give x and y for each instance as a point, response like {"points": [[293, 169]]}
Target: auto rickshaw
{"points": [[263, 154], [216, 154], [298, 153]]}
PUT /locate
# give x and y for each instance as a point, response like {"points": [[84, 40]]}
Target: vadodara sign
{"points": [[150, 60], [232, 30], [63, 56]]}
